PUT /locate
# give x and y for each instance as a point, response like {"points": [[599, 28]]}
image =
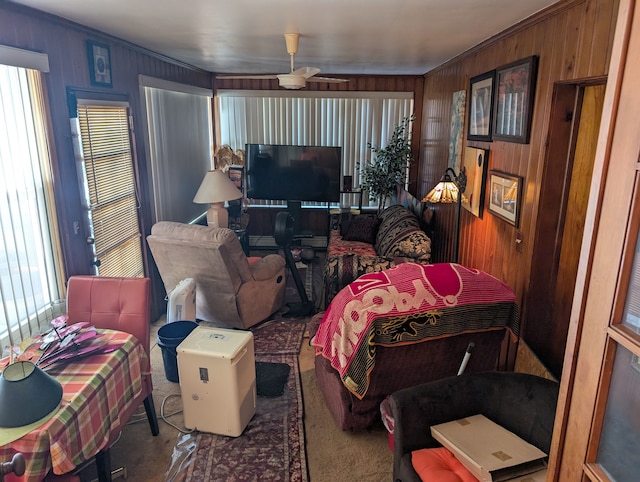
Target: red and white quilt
{"points": [[409, 303]]}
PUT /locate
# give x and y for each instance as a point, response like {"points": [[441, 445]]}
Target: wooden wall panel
{"points": [[573, 41], [65, 44]]}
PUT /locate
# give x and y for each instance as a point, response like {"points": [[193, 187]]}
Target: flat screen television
{"points": [[293, 173]]}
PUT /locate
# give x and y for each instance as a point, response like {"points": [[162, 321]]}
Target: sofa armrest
{"points": [[267, 267], [522, 403]]}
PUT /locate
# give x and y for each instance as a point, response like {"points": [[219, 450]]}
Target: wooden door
{"points": [[597, 432], [573, 134], [107, 180]]}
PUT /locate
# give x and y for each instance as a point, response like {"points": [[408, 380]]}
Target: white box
{"points": [[217, 374], [490, 452]]}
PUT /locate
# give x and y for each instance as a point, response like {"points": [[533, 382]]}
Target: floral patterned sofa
{"points": [[369, 243]]}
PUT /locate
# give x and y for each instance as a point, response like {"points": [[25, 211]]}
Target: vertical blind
{"points": [[349, 120], [31, 273], [110, 188], [179, 139]]}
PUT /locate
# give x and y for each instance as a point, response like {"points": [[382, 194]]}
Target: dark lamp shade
{"points": [[27, 394]]}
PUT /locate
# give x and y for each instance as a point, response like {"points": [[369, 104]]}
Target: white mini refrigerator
{"points": [[217, 374]]}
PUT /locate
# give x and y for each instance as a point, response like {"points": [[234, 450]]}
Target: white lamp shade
{"points": [[216, 187]]}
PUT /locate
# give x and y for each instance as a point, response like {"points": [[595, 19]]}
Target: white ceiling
{"points": [[338, 36]]}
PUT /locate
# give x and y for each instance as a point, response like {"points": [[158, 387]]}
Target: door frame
{"points": [[601, 252], [564, 125]]}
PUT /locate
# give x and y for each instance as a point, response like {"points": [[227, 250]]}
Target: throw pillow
{"points": [[362, 228], [439, 464]]}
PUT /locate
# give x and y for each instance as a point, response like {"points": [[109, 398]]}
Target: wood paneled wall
{"points": [[573, 41], [65, 44]]}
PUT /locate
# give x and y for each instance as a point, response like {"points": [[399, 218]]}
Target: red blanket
{"points": [[409, 303]]}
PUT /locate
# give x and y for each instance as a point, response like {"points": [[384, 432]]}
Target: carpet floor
{"points": [[331, 453], [272, 446]]}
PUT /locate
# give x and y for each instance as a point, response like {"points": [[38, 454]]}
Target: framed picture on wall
{"points": [[513, 100], [474, 166], [99, 63], [505, 196], [457, 130], [480, 118]]}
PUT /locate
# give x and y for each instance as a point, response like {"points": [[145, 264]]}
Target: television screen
{"points": [[293, 173]]}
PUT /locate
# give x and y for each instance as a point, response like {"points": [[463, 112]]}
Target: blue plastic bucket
{"points": [[169, 337]]}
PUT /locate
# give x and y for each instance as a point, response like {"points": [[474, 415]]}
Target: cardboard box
{"points": [[490, 452], [539, 476]]}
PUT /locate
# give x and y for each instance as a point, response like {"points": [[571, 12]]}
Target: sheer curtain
{"points": [[31, 273], [179, 138], [349, 120]]}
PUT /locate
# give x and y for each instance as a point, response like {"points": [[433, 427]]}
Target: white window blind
{"points": [[31, 273], [179, 140], [349, 120], [109, 186]]}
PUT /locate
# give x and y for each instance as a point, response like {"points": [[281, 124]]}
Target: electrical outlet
{"points": [[519, 241]]}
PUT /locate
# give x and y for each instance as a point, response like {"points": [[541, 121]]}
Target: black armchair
{"points": [[524, 404]]}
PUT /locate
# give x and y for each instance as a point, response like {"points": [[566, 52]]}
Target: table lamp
{"points": [[448, 191], [27, 394], [216, 188]]}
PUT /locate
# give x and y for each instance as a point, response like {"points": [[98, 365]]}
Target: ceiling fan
{"points": [[297, 78]]}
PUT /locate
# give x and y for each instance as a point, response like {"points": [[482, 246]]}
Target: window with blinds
{"points": [[179, 128], [350, 120], [31, 269], [111, 201]]}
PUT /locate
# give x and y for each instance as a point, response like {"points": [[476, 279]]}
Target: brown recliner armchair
{"points": [[230, 289], [523, 404]]}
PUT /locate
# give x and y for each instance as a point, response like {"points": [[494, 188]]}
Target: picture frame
{"points": [[474, 167], [513, 100], [236, 174], [99, 57], [456, 134], [505, 196], [480, 117]]}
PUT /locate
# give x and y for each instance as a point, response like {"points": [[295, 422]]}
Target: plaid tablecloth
{"points": [[97, 390]]}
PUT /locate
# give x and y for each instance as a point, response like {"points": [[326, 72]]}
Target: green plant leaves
{"points": [[389, 165]]}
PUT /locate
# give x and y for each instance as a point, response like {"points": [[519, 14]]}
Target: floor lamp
{"points": [[448, 191]]}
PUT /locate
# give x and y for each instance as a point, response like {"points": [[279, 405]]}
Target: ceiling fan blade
{"points": [[306, 72], [253, 77], [328, 80]]}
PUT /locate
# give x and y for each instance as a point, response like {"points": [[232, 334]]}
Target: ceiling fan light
{"points": [[289, 81]]}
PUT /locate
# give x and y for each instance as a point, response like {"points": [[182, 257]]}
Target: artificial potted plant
{"points": [[389, 165]]}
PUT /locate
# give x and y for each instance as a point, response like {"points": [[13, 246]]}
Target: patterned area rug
{"points": [[278, 336], [272, 446]]}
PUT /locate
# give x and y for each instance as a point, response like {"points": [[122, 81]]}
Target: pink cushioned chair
{"points": [[122, 304]]}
